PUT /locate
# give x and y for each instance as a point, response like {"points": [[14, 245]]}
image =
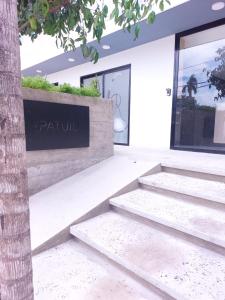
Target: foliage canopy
{"points": [[70, 21]]}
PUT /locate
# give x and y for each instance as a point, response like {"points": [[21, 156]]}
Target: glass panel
{"points": [[200, 100], [117, 88], [88, 81]]}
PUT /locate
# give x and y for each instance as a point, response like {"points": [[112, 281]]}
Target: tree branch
{"points": [[23, 26], [58, 7], [53, 9]]}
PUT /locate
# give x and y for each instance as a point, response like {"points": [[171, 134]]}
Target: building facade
{"points": [[168, 92]]}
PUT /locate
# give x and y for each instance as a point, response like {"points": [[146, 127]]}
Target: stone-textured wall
{"points": [[47, 167]]}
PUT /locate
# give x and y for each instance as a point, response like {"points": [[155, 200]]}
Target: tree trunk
{"points": [[15, 249]]}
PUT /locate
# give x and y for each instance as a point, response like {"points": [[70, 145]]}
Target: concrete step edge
{"points": [[195, 233], [195, 172], [125, 264], [192, 168], [145, 183]]}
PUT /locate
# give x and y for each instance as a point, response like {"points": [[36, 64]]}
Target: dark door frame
{"points": [[103, 73], [175, 85]]}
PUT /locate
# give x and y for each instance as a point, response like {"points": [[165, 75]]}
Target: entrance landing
{"points": [[193, 161]]}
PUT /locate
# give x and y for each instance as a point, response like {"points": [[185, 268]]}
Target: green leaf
{"points": [[85, 51], [79, 39], [33, 23], [44, 7], [146, 10], [151, 17], [115, 13], [96, 57], [129, 14], [161, 5], [105, 10], [137, 30]]}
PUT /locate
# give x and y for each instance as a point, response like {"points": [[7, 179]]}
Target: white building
{"points": [[166, 85]]}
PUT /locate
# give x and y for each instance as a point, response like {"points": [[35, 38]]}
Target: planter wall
{"points": [[46, 167]]}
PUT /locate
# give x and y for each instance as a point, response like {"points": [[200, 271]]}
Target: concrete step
{"points": [[69, 200], [178, 267], [78, 272], [195, 187], [194, 219], [193, 170]]}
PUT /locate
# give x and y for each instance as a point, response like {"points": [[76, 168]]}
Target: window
{"points": [[115, 84], [198, 121]]}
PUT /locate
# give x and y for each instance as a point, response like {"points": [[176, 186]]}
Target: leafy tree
{"points": [[57, 18], [70, 21]]}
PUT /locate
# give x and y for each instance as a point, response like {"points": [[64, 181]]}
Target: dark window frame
{"points": [[108, 71], [175, 85]]}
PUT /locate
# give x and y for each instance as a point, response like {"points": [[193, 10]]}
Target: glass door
{"points": [[117, 89], [114, 84], [199, 101]]}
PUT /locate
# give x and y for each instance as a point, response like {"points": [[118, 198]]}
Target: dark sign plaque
{"points": [[55, 126]]}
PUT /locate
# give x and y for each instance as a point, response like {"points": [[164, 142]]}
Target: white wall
{"points": [[151, 73]]}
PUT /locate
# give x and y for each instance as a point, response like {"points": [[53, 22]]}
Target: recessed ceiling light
{"points": [[106, 47], [70, 59], [218, 5], [38, 71]]}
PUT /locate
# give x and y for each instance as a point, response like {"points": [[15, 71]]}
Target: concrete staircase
{"points": [[168, 233]]}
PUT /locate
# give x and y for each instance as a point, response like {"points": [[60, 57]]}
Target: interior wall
{"points": [[152, 67]]}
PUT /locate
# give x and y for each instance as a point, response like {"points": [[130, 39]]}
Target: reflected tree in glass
{"points": [[191, 86], [216, 77]]}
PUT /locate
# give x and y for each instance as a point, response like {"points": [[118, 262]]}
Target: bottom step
{"points": [[179, 268], [78, 273]]}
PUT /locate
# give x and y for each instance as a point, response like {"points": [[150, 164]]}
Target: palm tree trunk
{"points": [[15, 249]]}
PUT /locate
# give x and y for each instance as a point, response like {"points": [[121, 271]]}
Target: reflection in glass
{"points": [[200, 101], [117, 89], [89, 80]]}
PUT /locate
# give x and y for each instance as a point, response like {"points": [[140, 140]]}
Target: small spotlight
{"points": [[218, 5], [106, 47], [70, 59]]}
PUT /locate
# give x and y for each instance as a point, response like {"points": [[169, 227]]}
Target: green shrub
{"points": [[89, 91], [83, 91], [39, 82], [69, 89]]}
